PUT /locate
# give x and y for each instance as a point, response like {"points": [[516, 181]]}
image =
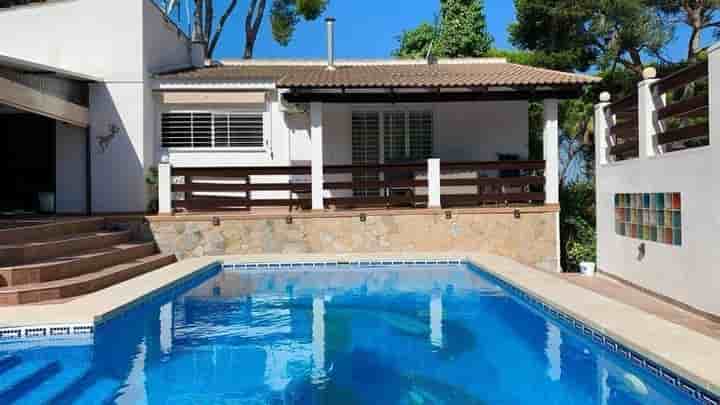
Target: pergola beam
{"points": [[433, 97], [23, 97]]}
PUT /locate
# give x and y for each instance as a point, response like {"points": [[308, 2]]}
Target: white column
{"points": [[433, 178], [165, 186], [602, 131], [550, 151], [318, 337], [648, 125], [316, 138], [436, 318]]}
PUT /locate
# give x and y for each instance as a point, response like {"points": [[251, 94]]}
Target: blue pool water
{"points": [[412, 334]]}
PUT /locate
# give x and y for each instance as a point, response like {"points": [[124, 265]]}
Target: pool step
{"points": [[91, 389], [83, 284], [74, 265], [23, 377], [52, 387], [7, 362], [25, 253], [53, 230], [99, 390]]}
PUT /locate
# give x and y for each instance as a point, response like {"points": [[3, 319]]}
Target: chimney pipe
{"points": [[330, 23]]}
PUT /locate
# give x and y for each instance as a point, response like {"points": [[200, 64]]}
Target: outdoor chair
{"points": [[398, 183]]}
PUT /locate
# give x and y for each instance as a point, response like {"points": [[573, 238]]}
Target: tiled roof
{"points": [[397, 74]]}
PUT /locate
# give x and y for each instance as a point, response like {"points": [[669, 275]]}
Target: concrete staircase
{"points": [[70, 258]]}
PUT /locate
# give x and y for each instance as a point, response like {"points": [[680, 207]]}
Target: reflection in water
{"points": [[436, 319], [405, 335], [318, 338], [552, 350]]}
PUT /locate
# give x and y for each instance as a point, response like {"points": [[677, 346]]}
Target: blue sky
{"points": [[366, 29]]}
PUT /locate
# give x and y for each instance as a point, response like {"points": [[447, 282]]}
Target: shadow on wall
{"points": [[118, 175]]}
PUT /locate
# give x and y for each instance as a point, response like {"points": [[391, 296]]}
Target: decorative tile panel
{"points": [[655, 217]]}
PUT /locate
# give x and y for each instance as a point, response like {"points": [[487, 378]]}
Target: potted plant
{"points": [[583, 250]]}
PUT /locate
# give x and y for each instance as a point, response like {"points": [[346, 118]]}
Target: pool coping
{"points": [[684, 352]]}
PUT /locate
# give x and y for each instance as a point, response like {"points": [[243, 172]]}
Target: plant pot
{"points": [[587, 269]]}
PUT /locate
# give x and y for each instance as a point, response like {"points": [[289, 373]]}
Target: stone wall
{"points": [[531, 239]]}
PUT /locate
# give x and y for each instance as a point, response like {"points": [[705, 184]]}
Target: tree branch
{"points": [[220, 27]]}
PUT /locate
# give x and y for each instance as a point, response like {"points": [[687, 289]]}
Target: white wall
{"points": [[70, 171], [686, 273], [122, 43], [100, 38]]}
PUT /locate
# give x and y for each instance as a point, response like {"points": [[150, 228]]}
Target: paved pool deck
{"points": [[684, 344]]}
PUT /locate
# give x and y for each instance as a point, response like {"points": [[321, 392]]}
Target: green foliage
{"points": [[584, 248], [461, 32], [286, 14], [151, 182], [577, 222], [585, 33]]}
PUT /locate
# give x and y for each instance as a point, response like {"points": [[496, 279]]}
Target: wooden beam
{"points": [[25, 98], [374, 98]]}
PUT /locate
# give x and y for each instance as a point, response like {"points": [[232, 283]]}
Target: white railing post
{"points": [[551, 152], [602, 131], [433, 178], [649, 102], [165, 186], [316, 140]]}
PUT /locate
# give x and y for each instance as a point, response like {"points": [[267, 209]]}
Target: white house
{"points": [[109, 92]]}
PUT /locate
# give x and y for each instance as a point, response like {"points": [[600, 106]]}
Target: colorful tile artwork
{"points": [[654, 217]]}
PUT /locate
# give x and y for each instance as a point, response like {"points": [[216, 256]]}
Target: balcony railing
{"points": [[392, 185]]}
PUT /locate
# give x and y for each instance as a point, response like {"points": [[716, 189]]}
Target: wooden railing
{"points": [[357, 186], [624, 128], [685, 118]]}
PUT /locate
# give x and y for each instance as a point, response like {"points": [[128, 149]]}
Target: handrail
{"points": [[682, 77]]}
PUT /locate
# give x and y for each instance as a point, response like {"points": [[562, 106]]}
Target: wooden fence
{"points": [[357, 186]]}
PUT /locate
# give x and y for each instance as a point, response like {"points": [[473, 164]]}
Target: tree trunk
{"points": [[253, 19], [197, 33], [221, 25]]}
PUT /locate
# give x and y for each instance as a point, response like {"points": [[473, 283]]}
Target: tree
{"points": [[284, 17], [587, 33], [698, 15], [461, 32]]}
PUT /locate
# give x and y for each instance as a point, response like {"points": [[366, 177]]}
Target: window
{"points": [[407, 135], [212, 130]]}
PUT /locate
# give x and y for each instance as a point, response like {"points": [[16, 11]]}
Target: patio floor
{"points": [[629, 295]]}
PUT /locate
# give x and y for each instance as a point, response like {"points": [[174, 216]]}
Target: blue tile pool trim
{"points": [[687, 388], [46, 331], [335, 263]]}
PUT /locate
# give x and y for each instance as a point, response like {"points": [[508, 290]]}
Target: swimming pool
{"points": [[334, 334]]}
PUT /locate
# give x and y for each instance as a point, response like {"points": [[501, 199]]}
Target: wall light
{"points": [[363, 217], [216, 221], [516, 213], [289, 220], [448, 214]]}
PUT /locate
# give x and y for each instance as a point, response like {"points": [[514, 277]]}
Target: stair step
{"points": [[84, 284], [74, 265], [101, 390], [53, 387], [26, 253], [45, 231], [20, 379]]}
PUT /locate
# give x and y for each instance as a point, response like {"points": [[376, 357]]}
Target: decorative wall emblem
{"points": [[655, 217], [105, 140]]}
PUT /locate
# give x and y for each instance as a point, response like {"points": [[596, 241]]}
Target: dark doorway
{"points": [[27, 163]]}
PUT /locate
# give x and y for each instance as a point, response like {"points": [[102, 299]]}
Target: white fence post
{"points": [[649, 102], [317, 168], [165, 186], [602, 131], [433, 178]]}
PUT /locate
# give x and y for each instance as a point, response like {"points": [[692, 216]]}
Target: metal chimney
{"points": [[330, 22]]}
